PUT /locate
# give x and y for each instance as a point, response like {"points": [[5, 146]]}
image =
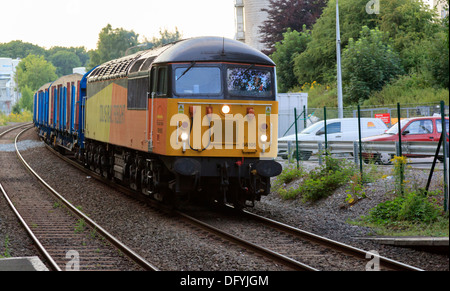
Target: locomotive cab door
{"points": [[158, 91]]}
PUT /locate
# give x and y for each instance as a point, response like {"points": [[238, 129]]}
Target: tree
{"points": [[284, 14], [367, 65], [318, 62], [165, 37], [19, 49], [26, 101], [65, 61], [33, 72], [293, 43], [112, 44]]}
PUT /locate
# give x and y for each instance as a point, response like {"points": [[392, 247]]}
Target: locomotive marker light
{"points": [[226, 109]]}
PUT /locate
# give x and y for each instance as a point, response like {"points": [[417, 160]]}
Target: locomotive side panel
{"points": [[109, 120]]}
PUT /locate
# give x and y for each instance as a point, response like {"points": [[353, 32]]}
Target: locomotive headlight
{"points": [[226, 109], [263, 138], [184, 136]]}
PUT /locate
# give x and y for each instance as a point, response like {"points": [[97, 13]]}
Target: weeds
{"points": [[7, 252], [318, 183]]}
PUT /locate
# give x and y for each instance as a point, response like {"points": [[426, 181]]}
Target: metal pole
{"points": [[296, 138], [400, 152], [445, 144], [304, 115], [360, 142], [339, 71], [326, 131]]}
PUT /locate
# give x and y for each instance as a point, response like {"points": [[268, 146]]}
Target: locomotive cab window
{"points": [[160, 81], [250, 81], [192, 80]]}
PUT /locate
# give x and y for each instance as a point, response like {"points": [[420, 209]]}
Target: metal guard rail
{"points": [[425, 148]]}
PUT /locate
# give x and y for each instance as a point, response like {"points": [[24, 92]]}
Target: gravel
{"points": [[329, 217], [171, 245]]}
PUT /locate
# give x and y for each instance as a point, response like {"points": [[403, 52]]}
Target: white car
{"points": [[345, 129]]}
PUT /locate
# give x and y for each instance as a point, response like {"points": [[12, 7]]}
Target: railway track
{"points": [[295, 248], [61, 238]]}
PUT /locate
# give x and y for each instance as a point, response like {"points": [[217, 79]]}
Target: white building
{"points": [[439, 5], [249, 18], [8, 94]]}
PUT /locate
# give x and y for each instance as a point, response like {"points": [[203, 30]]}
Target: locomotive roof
{"points": [[213, 49], [200, 49]]}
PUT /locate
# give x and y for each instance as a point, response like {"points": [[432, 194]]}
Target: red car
{"points": [[413, 129]]}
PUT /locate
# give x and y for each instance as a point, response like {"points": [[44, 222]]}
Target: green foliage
{"points": [[26, 101], [318, 61], [65, 61], [112, 44], [165, 37], [33, 72], [289, 174], [413, 207], [318, 183], [24, 116], [322, 184], [367, 65], [355, 189], [294, 43], [406, 21], [19, 49]]}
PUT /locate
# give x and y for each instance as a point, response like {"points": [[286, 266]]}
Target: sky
{"points": [[49, 23]]}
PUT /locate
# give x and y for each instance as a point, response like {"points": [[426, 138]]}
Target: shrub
{"points": [[413, 207]]}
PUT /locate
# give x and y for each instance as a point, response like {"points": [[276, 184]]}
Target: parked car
{"points": [[413, 129], [345, 129]]}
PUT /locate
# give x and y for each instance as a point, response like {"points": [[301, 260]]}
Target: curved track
{"points": [[56, 234]]}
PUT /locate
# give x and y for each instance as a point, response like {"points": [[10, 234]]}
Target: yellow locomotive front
{"points": [[217, 130]]}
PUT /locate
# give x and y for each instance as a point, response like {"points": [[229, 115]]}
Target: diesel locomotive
{"points": [[195, 118]]}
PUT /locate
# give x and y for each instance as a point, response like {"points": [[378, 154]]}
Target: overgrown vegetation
{"points": [[398, 55], [24, 116], [316, 184], [409, 210]]}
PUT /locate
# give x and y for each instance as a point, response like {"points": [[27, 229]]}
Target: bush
{"points": [[413, 207], [317, 184]]}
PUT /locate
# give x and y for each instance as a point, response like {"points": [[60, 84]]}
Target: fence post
{"points": [[355, 153], [296, 138], [445, 151], [304, 115], [319, 145], [400, 152], [360, 142], [326, 131]]}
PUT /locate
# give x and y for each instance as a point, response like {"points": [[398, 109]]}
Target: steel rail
{"points": [[296, 265], [13, 128], [53, 265], [118, 244], [389, 263]]}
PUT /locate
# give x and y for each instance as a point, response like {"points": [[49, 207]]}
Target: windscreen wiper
{"points": [[248, 69], [187, 70]]}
